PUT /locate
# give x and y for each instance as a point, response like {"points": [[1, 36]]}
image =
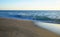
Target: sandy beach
{"points": [[22, 28]]}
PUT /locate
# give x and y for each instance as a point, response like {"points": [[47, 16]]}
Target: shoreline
{"points": [[23, 28], [30, 20]]}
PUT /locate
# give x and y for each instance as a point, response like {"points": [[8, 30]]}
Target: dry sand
{"points": [[22, 28]]}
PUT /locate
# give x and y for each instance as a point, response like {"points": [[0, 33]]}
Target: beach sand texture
{"points": [[22, 28]]}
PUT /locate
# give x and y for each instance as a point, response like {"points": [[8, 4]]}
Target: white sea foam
{"points": [[49, 26]]}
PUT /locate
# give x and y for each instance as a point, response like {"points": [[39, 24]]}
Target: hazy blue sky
{"points": [[30, 4]]}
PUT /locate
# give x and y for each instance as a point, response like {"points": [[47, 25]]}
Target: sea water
{"points": [[31, 14]]}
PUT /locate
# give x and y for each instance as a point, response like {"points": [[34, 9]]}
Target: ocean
{"points": [[40, 15]]}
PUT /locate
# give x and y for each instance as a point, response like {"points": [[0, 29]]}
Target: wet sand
{"points": [[22, 28]]}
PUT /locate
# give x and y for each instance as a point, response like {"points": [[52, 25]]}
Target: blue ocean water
{"points": [[40, 15]]}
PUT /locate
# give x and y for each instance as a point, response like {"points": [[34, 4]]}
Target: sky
{"points": [[29, 4]]}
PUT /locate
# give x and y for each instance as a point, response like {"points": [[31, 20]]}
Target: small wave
{"points": [[49, 26]]}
